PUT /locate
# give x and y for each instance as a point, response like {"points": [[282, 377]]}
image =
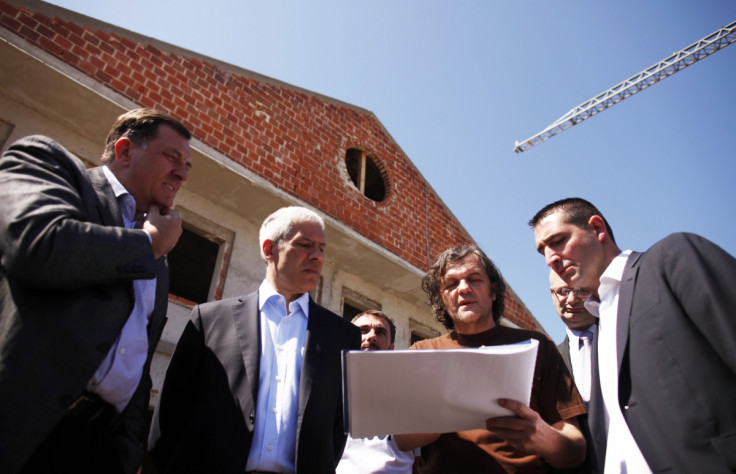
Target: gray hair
{"points": [[281, 223]]}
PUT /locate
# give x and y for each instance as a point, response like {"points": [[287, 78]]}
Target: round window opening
{"points": [[366, 174]]}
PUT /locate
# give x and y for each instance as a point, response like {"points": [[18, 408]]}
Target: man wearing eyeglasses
{"points": [[575, 349]]}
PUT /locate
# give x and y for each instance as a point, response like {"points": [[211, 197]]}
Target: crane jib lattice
{"points": [[653, 74]]}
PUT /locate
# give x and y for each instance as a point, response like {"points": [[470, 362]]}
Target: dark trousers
{"points": [[81, 443]]}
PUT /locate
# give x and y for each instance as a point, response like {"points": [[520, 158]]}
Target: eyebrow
{"points": [[307, 239], [377, 327], [542, 242], [179, 156]]}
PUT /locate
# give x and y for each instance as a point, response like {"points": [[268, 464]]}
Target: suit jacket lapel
{"points": [[158, 318], [108, 208], [596, 411], [625, 299], [247, 324], [565, 354], [314, 344]]}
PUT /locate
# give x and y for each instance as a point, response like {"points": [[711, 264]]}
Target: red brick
{"points": [[90, 38], [10, 23], [73, 27], [87, 67], [132, 93], [81, 52], [8, 9], [111, 70], [60, 29], [29, 33], [44, 30], [102, 76], [128, 43], [77, 39], [29, 21], [97, 62], [105, 46], [69, 57], [104, 37]]}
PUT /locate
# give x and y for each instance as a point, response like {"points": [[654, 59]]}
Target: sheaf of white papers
{"points": [[434, 391]]}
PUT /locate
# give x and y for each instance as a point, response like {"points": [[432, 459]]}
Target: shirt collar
{"points": [[575, 333], [125, 199], [610, 280], [117, 187], [267, 293], [615, 270]]}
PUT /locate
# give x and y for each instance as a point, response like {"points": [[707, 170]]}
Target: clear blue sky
{"points": [[456, 82]]}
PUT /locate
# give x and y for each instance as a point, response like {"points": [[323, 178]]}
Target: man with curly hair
{"points": [[466, 292]]}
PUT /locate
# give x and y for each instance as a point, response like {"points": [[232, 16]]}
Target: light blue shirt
{"points": [[120, 372], [283, 336]]}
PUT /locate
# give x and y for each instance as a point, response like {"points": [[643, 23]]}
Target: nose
{"points": [[181, 170], [551, 258], [463, 286], [316, 253]]}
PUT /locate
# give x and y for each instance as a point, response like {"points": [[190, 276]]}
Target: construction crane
{"points": [[653, 74]]}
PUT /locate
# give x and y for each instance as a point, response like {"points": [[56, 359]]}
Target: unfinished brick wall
{"points": [[294, 139]]}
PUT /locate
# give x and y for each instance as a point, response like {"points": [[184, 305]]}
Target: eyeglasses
{"points": [[564, 292]]}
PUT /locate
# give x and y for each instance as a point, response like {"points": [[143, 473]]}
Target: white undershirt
{"points": [[622, 453]]}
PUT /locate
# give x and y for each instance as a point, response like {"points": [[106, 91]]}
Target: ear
{"points": [[269, 249], [123, 148], [597, 224]]}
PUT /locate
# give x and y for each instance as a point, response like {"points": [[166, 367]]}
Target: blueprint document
{"points": [[433, 391]]}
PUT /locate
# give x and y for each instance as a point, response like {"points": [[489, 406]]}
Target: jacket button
{"points": [[252, 418]]}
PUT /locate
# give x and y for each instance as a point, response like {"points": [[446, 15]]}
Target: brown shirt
{"points": [[554, 397]]}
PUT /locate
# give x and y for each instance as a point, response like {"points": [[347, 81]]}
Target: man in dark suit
{"points": [[575, 349], [664, 364], [83, 294], [255, 382]]}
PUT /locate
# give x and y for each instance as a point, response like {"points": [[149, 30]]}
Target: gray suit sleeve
{"points": [[49, 216]]}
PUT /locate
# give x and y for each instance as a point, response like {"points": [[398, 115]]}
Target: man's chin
{"points": [[570, 276], [164, 204]]}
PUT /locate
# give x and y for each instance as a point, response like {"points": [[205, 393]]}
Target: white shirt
{"points": [[377, 454], [282, 351], [120, 372], [622, 453], [580, 360]]}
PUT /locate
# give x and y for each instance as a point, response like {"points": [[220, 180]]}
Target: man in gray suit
{"points": [[83, 294], [664, 363], [255, 382]]}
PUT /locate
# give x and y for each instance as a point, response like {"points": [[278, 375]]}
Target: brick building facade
{"points": [[258, 144]]}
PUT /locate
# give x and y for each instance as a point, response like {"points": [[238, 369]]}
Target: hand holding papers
{"points": [[434, 391]]}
